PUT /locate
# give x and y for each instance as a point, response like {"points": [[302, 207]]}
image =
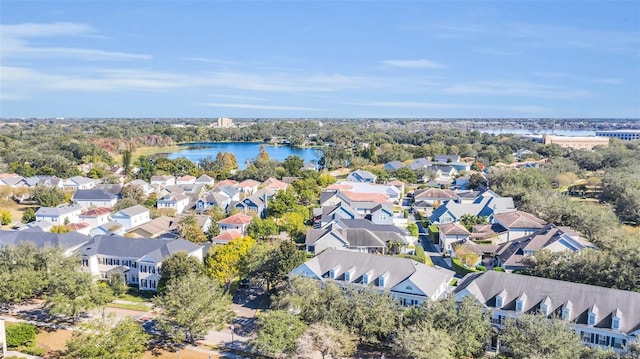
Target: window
{"points": [[586, 337], [153, 270], [365, 279], [592, 319], [499, 301], [347, 277], [543, 309], [332, 274], [381, 281], [143, 283], [85, 262], [519, 305], [603, 340], [615, 323], [565, 313]]}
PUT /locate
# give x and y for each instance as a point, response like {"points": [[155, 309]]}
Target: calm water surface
{"points": [[244, 151]]}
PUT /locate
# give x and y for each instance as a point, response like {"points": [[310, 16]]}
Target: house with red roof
{"points": [[238, 222]]}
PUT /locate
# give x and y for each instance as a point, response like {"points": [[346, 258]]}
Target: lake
{"points": [[244, 151]]}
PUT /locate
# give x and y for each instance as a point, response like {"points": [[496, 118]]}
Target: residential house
{"points": [[519, 223], [186, 179], [274, 185], [450, 234], [493, 232], [229, 191], [392, 166], [78, 183], [161, 227], [131, 217], [211, 200], [510, 255], [483, 206], [82, 228], [327, 214], [256, 204], [12, 180], [602, 317], [138, 260], [410, 282], [426, 199], [399, 185], [226, 237], [446, 158], [59, 215], [309, 166], [114, 189], [205, 180], [143, 185], [248, 186], [163, 181], [109, 228], [91, 198], [362, 176], [419, 164], [175, 201], [227, 182], [68, 242], [357, 235], [381, 214], [204, 221], [238, 222], [96, 216]]}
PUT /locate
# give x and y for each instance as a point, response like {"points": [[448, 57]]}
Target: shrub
{"points": [[37, 351], [5, 216], [460, 268], [20, 334], [481, 268], [498, 269]]}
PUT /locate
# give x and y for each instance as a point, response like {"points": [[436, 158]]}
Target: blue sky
{"points": [[302, 59]]}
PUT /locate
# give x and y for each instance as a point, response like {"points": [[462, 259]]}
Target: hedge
{"points": [[434, 233], [460, 268], [20, 334]]}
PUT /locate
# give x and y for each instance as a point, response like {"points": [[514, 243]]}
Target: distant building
{"points": [[578, 143], [625, 135], [222, 122]]}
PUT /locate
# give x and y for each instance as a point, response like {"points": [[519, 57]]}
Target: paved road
{"points": [[431, 250]]}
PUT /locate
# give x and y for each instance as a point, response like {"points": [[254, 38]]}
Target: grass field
{"points": [[147, 151]]}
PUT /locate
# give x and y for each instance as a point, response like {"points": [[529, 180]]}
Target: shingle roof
{"points": [[96, 212], [117, 246], [238, 218], [57, 211], [435, 193], [485, 286], [133, 211], [519, 219], [454, 229], [93, 195], [43, 239], [227, 236], [427, 279]]}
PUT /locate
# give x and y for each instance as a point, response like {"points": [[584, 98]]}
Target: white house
{"points": [[362, 176], [89, 198], [59, 215], [186, 179], [138, 260], [451, 233], [411, 282], [238, 222], [78, 183], [162, 180], [175, 201], [96, 216], [131, 217], [603, 317], [519, 223]]}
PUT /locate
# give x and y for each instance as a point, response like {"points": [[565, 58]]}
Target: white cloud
{"points": [[415, 64]]}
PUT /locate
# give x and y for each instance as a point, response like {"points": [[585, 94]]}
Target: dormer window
{"points": [[367, 277], [383, 279], [566, 310], [332, 274], [615, 319], [544, 306], [348, 274], [520, 302], [593, 315], [500, 298]]}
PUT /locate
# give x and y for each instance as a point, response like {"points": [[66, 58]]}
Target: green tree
{"points": [[179, 265], [125, 203], [28, 216], [536, 336], [117, 284], [126, 161], [476, 180], [213, 230], [423, 342], [292, 165], [106, 338], [190, 230], [405, 174], [262, 229], [48, 196], [278, 332], [59, 228], [413, 229], [70, 293], [293, 224], [469, 220], [329, 341], [274, 267], [190, 306]]}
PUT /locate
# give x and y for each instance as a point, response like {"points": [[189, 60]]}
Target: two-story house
{"points": [[138, 260], [603, 317], [410, 282], [238, 222], [59, 215], [131, 217], [176, 201], [90, 198]]}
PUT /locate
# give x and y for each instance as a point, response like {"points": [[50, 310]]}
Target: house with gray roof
{"points": [[483, 206], [510, 255], [132, 217], [410, 282], [205, 180], [392, 166], [519, 223], [176, 201], [68, 242], [446, 158], [138, 260], [362, 176], [602, 317], [92, 198], [359, 235], [212, 199], [77, 183], [59, 215]]}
